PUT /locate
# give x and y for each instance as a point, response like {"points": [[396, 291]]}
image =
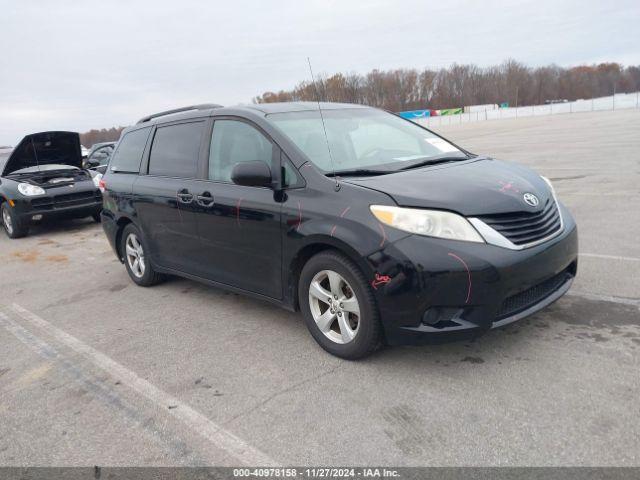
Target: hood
{"points": [[482, 186], [45, 148]]}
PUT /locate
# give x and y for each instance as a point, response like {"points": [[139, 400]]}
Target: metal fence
{"points": [[619, 101]]}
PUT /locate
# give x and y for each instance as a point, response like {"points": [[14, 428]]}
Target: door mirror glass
{"points": [[251, 174]]}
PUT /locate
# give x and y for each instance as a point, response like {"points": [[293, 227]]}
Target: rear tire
{"points": [[133, 248], [96, 217], [347, 326], [13, 227]]}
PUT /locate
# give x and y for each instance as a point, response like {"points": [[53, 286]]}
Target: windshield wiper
{"points": [[434, 161], [357, 172]]}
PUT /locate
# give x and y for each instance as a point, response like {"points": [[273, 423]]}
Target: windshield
{"points": [[362, 138]]}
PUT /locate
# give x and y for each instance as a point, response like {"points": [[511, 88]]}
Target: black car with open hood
{"points": [[43, 177]]}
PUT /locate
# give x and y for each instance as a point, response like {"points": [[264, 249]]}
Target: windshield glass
{"points": [[361, 138]]}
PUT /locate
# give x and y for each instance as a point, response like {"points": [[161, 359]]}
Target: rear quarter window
{"points": [[128, 155]]}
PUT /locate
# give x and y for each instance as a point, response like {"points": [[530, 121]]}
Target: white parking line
{"points": [[606, 298], [102, 390], [196, 421], [610, 257]]}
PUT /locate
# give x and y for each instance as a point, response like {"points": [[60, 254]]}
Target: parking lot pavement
{"points": [[97, 371]]}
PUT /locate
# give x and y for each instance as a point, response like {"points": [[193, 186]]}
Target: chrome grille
{"points": [[522, 228]]}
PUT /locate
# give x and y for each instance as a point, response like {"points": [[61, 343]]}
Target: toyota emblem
{"points": [[531, 199]]}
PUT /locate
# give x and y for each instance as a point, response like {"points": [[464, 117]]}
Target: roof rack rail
{"points": [[203, 106]]}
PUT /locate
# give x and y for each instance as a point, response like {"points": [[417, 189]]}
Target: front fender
{"points": [[340, 220]]}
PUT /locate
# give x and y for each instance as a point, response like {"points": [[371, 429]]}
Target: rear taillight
{"points": [[102, 185]]}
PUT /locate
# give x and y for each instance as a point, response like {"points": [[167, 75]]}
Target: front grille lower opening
{"points": [[530, 297]]}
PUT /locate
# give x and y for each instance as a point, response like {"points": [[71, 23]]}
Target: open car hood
{"points": [[45, 148]]}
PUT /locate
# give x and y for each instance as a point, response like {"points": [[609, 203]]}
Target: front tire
{"points": [[133, 249], [13, 226], [338, 306]]}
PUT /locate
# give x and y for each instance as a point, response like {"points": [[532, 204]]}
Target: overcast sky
{"points": [[77, 65]]}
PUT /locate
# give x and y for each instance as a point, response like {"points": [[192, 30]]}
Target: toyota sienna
{"points": [[375, 228]]}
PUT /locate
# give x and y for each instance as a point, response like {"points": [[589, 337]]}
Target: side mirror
{"points": [[251, 174]]}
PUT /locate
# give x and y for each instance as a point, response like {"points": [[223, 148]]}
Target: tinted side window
{"points": [[175, 150], [129, 152], [234, 142]]}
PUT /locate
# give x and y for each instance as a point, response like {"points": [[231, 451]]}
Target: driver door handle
{"points": [[184, 196], [205, 200]]}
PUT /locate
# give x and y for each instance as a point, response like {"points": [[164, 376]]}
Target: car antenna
{"points": [[324, 128]]}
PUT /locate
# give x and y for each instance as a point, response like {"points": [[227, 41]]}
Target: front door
{"points": [[240, 229]]}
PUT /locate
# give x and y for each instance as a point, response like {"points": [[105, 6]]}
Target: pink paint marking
{"points": [[380, 280], [178, 206], [508, 186], [344, 212], [468, 275], [299, 215], [384, 234], [238, 211]]}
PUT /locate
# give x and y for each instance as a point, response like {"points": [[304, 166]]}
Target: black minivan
{"points": [[377, 229]]}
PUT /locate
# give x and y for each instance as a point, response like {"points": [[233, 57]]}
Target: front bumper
{"points": [[431, 290], [77, 201]]}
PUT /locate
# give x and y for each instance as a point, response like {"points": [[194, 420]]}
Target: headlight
{"points": [[433, 223], [29, 190], [96, 179]]}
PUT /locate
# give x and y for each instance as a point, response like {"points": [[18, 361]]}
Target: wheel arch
{"points": [[311, 247], [121, 223]]}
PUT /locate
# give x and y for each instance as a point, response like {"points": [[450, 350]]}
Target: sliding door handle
{"points": [[184, 196], [205, 200]]}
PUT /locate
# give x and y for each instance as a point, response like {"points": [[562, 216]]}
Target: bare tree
{"points": [[460, 85]]}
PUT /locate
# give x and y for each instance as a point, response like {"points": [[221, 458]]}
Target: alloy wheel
{"points": [[6, 219], [135, 255], [334, 306]]}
